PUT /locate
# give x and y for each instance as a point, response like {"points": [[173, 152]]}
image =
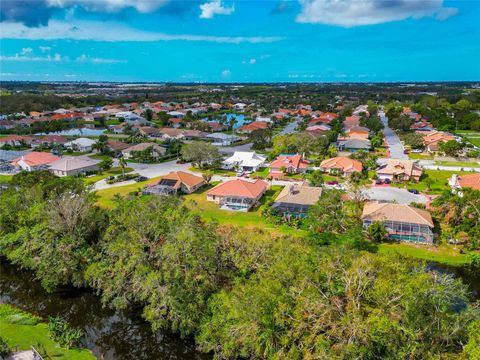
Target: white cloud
{"points": [[27, 51], [44, 48], [143, 6], [95, 60], [27, 58], [215, 7], [226, 74], [367, 12], [112, 31]]}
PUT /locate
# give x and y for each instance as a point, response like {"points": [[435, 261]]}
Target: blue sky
{"points": [[240, 41]]}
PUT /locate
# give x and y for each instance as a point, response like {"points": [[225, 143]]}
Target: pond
{"points": [[109, 334], [77, 132]]}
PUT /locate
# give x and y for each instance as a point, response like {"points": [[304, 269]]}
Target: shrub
{"points": [[61, 332]]}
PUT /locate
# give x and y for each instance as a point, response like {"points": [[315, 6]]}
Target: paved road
{"points": [[401, 196], [232, 149], [290, 128], [393, 142]]}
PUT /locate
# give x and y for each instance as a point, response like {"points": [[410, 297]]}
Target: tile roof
{"points": [[341, 162], [239, 187], [69, 163], [398, 167], [181, 177], [470, 181], [35, 158], [302, 195], [375, 211], [296, 161]]}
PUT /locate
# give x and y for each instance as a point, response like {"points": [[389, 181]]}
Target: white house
{"points": [[263, 119], [239, 106], [246, 160], [81, 144], [176, 114], [221, 139]]}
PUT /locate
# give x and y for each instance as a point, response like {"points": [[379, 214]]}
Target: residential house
{"points": [[34, 161], [238, 194], [73, 166], [399, 170], [15, 140], [170, 133], [458, 182], [150, 132], [288, 164], [239, 106], [354, 145], [341, 166], [156, 150], [244, 160], [253, 126], [176, 114], [6, 156], [422, 126], [263, 119], [81, 144], [174, 182], [117, 146], [175, 122], [221, 139], [6, 124], [295, 200], [402, 222], [433, 139], [53, 140]]}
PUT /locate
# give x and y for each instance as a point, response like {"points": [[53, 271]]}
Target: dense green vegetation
{"points": [[247, 294], [23, 330]]}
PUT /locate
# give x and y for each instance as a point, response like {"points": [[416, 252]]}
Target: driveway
{"points": [[393, 142], [290, 128], [148, 170], [401, 196]]}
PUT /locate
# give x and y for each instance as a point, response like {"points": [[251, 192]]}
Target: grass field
{"points": [[441, 254], [5, 178], [457, 163], [439, 181], [420, 156], [470, 135], [23, 330]]}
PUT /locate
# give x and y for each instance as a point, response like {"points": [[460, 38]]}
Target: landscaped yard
{"points": [[112, 172], [470, 135], [439, 181], [221, 172], [23, 330], [457, 163], [414, 156], [445, 254]]}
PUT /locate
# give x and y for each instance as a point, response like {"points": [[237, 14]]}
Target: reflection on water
{"points": [[469, 276], [109, 334]]}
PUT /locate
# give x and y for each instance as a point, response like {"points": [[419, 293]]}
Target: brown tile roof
{"points": [[398, 167], [117, 145], [239, 187], [256, 125], [375, 211], [181, 177], [303, 195], [344, 163]]}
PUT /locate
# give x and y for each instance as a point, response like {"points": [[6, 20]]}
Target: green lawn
{"points": [[210, 211], [440, 181], [457, 163], [23, 330], [113, 171], [445, 254], [5, 178], [221, 172], [263, 174], [420, 156], [470, 135]]}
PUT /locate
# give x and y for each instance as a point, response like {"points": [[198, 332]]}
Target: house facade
{"points": [[288, 164], [341, 165], [399, 170], [245, 160], [174, 182]]}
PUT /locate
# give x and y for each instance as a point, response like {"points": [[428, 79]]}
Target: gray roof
{"points": [[7, 155], [69, 163], [222, 136], [355, 144]]}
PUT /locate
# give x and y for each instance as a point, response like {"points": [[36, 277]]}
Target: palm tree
{"points": [[123, 164]]}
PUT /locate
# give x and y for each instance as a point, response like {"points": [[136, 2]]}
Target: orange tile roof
{"points": [[10, 138], [36, 158], [341, 162], [470, 181], [296, 161], [256, 125], [239, 187]]}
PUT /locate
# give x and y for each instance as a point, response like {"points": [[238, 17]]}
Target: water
{"points": [[77, 132], [109, 334], [239, 117]]}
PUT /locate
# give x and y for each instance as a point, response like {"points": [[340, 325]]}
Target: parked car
{"points": [[332, 182], [387, 181], [414, 191], [379, 182], [141, 178], [110, 177], [417, 151]]}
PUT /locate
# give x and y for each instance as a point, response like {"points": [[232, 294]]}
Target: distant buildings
{"points": [[221, 139]]}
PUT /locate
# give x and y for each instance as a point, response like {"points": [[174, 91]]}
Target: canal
{"points": [[109, 334]]}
